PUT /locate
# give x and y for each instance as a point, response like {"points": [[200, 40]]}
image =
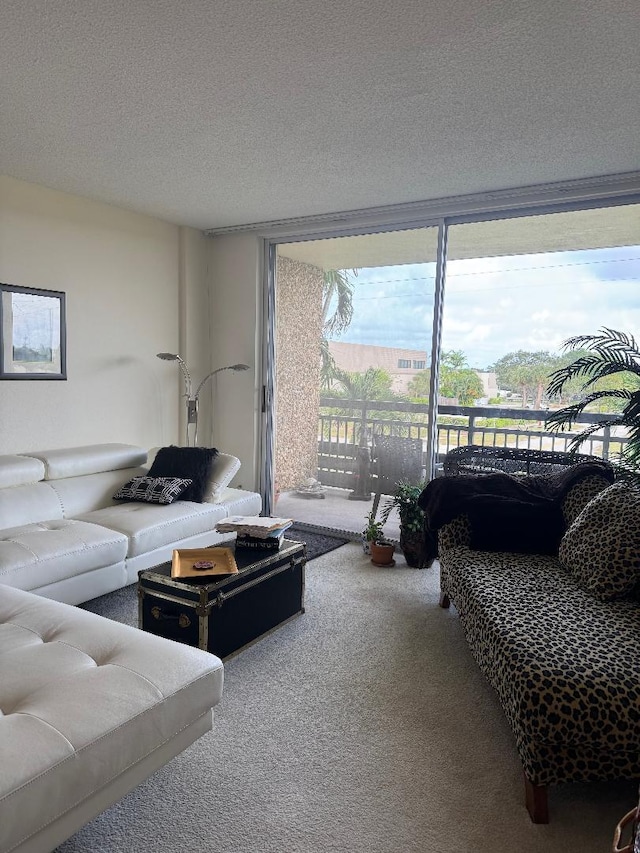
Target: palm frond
{"points": [[631, 419], [562, 419], [608, 339], [626, 470], [594, 366], [588, 431]]}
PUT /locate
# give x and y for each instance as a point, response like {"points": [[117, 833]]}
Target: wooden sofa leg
{"points": [[537, 801], [444, 600]]}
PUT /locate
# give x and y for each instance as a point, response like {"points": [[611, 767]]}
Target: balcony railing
{"points": [[346, 425]]}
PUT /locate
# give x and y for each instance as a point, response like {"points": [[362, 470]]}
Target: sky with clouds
{"points": [[500, 304]]}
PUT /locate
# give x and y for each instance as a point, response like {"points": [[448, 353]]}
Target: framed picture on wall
{"points": [[32, 333]]}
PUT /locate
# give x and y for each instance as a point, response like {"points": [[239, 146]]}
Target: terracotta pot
{"points": [[382, 554]]}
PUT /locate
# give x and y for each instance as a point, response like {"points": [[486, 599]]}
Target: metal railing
{"points": [[346, 425]]}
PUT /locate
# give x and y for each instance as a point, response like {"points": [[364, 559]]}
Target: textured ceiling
{"points": [[213, 113]]}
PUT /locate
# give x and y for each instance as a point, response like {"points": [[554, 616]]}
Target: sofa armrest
{"points": [[223, 469], [456, 532]]}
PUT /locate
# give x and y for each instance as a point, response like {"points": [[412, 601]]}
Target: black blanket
{"points": [[506, 511]]}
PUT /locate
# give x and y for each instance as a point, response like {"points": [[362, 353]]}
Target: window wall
{"points": [[467, 318], [516, 290]]}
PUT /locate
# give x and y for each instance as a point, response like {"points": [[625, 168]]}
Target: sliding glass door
{"points": [[358, 321], [353, 338]]}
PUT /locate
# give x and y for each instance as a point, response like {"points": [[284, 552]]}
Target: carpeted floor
{"points": [[362, 726]]}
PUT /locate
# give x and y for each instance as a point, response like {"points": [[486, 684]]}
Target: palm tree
{"points": [[607, 354], [373, 384], [328, 367], [336, 284]]}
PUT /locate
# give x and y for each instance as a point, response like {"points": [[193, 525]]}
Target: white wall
{"points": [[236, 321], [135, 286]]}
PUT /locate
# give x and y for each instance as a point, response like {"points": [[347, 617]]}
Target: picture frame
{"points": [[33, 333]]}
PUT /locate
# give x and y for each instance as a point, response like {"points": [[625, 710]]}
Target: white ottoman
{"points": [[88, 709]]}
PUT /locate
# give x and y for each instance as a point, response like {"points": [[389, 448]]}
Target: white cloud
{"points": [[497, 305]]}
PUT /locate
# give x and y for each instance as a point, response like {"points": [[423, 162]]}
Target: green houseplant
{"points": [[373, 541], [412, 541], [600, 358]]}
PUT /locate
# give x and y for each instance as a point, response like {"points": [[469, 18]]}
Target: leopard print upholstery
{"points": [[601, 549], [457, 532], [563, 663], [579, 496]]}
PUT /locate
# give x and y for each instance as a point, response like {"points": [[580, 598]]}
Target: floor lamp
{"points": [[193, 399]]}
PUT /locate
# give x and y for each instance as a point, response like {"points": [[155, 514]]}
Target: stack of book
{"points": [[256, 532]]}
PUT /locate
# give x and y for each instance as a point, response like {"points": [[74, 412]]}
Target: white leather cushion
{"points": [[240, 502], [18, 470], [223, 469], [91, 459], [92, 491], [36, 555], [149, 526], [26, 504], [83, 698]]}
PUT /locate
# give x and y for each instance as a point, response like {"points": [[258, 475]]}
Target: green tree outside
{"points": [[526, 373], [456, 379]]}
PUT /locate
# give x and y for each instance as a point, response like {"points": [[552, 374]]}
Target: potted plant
{"points": [[600, 357], [412, 538], [374, 544]]}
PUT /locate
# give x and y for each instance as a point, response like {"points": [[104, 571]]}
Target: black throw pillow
{"points": [[504, 524], [191, 463]]}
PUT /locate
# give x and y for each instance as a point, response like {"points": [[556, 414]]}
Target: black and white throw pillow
{"points": [[153, 490]]}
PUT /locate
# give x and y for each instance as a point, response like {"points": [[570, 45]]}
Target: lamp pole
{"points": [[193, 400]]}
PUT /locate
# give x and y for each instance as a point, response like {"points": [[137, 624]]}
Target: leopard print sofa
{"points": [[561, 662]]}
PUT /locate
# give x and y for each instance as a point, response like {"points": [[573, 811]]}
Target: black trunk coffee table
{"points": [[223, 614]]}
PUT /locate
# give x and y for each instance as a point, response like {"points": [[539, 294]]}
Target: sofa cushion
{"points": [[580, 494], [561, 661], [40, 554], [149, 527], [192, 463], [84, 699], [91, 491], [601, 548], [90, 459], [240, 502], [153, 490], [18, 470], [29, 503]]}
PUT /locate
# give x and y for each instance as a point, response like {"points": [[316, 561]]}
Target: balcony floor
{"points": [[334, 511]]}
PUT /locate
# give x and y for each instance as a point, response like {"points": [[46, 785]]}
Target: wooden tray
{"points": [[182, 562]]}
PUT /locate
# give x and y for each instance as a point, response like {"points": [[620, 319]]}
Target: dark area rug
{"points": [[317, 543]]}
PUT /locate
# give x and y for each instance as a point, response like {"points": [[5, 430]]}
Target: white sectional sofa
{"points": [[64, 537], [88, 709]]}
